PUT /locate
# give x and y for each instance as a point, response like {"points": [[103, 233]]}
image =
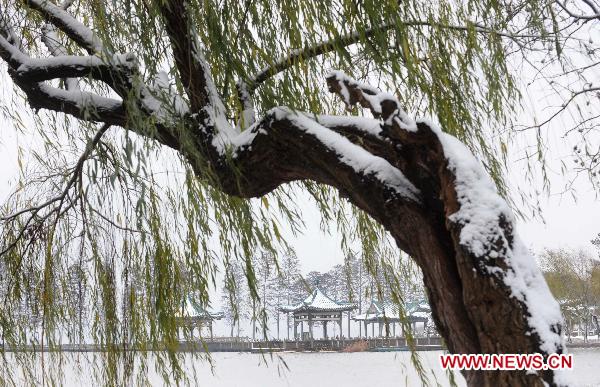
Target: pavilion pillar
{"points": [[394, 329], [210, 328], [302, 330], [348, 324], [310, 327], [372, 329], [295, 329], [288, 325], [325, 330], [366, 332], [380, 326]]}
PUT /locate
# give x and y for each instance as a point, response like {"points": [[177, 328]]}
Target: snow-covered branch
{"points": [[482, 220], [29, 73], [594, 15], [353, 155], [119, 71], [188, 56], [381, 104], [248, 116], [75, 30], [52, 41], [38, 70]]}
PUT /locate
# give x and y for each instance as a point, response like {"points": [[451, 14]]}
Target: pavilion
{"points": [[383, 313], [317, 307], [193, 316]]}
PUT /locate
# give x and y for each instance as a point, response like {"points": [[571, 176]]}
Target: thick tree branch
{"points": [[83, 105], [113, 74], [75, 30], [117, 71], [312, 51], [187, 53], [595, 15]]}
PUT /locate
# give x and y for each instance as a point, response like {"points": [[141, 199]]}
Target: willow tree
{"points": [[233, 97]]}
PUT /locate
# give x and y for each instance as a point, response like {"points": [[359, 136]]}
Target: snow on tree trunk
{"points": [[506, 304]]}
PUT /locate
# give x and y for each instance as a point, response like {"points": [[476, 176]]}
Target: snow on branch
{"points": [[245, 97], [355, 156], [162, 101], [119, 71], [347, 153], [205, 102], [75, 30], [83, 105], [38, 69], [382, 105], [11, 52], [52, 41]]}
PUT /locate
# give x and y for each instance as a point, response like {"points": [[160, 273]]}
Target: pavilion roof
{"points": [[318, 301], [386, 309], [193, 309]]}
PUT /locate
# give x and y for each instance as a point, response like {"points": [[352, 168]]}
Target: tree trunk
{"points": [[474, 309]]}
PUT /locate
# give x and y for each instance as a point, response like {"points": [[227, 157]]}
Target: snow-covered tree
{"points": [[231, 96], [574, 278], [287, 286], [235, 297], [77, 297]]}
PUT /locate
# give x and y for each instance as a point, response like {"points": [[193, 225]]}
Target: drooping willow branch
{"points": [[58, 201]]}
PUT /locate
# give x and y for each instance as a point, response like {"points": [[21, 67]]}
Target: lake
{"points": [[289, 369]]}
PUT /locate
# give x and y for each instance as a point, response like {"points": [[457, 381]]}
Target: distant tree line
{"points": [[277, 280], [574, 278]]}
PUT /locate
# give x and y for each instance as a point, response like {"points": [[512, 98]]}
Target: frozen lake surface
{"points": [[360, 369]]}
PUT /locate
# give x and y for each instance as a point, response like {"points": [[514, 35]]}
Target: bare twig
{"points": [[75, 177]]}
